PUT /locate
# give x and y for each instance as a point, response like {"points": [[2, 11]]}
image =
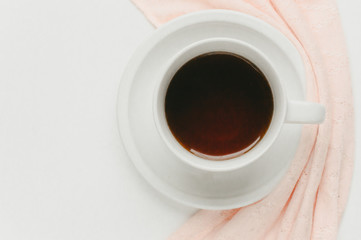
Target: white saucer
{"points": [[141, 139]]}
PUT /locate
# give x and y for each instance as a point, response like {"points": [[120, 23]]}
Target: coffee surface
{"points": [[218, 105]]}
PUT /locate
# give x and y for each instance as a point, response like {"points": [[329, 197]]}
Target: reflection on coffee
{"points": [[219, 105]]}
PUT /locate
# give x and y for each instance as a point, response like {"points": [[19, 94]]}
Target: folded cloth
{"points": [[309, 201]]}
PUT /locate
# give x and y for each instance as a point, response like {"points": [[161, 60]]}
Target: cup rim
{"points": [[227, 164]]}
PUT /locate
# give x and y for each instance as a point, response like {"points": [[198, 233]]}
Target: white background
{"points": [[63, 171]]}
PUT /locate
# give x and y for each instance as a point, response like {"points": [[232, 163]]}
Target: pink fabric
{"points": [[309, 202]]}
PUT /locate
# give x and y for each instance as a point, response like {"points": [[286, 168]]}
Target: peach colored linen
{"points": [[309, 201]]}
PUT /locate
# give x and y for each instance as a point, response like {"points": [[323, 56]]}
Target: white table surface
{"points": [[63, 171]]}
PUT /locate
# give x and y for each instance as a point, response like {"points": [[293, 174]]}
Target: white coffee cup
{"points": [[159, 158], [285, 110]]}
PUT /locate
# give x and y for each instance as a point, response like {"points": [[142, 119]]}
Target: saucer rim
{"points": [[123, 100]]}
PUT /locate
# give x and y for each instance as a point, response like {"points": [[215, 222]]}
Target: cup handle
{"points": [[305, 112]]}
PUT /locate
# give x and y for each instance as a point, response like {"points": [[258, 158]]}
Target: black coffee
{"points": [[218, 104]]}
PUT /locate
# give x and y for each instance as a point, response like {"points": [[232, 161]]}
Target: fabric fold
{"points": [[310, 200]]}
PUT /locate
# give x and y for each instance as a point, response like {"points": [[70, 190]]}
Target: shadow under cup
{"points": [[219, 99]]}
